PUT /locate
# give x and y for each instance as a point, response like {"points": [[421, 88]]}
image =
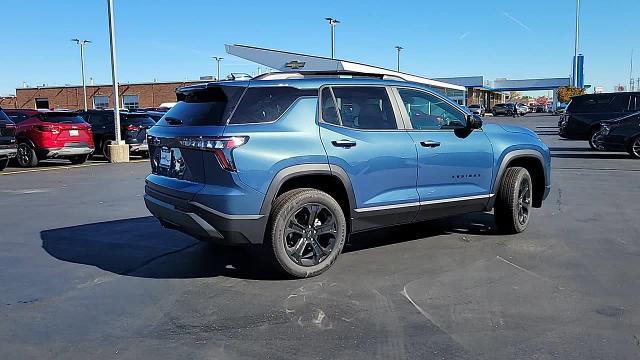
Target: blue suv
{"points": [[298, 161]]}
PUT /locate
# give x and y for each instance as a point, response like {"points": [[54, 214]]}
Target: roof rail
{"points": [[323, 73]]}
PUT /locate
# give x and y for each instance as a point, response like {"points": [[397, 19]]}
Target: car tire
{"points": [[514, 201], [509, 113], [3, 164], [494, 113], [592, 140], [79, 159], [292, 238], [105, 149], [634, 147], [26, 156]]}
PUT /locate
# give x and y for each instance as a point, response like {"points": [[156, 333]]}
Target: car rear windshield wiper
{"points": [[173, 121]]}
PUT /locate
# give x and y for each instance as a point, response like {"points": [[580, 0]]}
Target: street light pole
{"points": [[399, 48], [82, 43], [577, 45], [333, 22], [114, 73], [218, 59]]}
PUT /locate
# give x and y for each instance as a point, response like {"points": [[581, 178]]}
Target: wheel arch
{"points": [[531, 160], [332, 180], [24, 139]]}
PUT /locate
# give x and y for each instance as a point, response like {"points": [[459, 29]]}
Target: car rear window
{"points": [[203, 106], [590, 104], [62, 118], [137, 119], [4, 119], [266, 104]]}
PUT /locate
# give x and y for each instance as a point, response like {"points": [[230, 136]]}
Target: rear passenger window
{"points": [[362, 108], [266, 104], [329, 109]]}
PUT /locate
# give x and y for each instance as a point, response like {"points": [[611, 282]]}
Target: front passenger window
{"points": [[429, 112]]}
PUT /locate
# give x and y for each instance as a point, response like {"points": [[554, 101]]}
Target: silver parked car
{"points": [[477, 109]]}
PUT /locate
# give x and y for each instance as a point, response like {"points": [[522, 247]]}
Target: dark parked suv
{"points": [[50, 134], [133, 130], [8, 145], [503, 109], [621, 134], [296, 162], [581, 120]]}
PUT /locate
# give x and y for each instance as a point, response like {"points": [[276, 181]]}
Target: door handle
{"points": [[344, 143], [430, 143]]}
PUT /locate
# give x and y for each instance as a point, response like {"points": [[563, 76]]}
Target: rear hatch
{"points": [[202, 111], [135, 126], [7, 130], [65, 129]]}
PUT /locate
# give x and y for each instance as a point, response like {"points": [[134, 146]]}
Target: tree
{"points": [[514, 96], [566, 93], [542, 100]]}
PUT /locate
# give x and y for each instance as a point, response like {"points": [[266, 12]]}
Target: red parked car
{"points": [[50, 134]]}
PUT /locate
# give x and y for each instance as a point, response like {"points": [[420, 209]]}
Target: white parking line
{"points": [[62, 167]]}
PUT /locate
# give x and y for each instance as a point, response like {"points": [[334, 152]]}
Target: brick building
{"points": [[8, 101], [98, 96]]}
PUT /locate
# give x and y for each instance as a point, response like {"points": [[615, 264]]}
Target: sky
{"points": [[174, 40]]}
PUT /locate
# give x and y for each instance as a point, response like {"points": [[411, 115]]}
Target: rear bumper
{"points": [[66, 151], [135, 148], [204, 223], [8, 151]]}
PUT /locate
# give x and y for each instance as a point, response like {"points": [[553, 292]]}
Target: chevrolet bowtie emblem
{"points": [[295, 64]]}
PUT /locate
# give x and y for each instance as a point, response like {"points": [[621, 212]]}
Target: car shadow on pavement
{"points": [[470, 224], [585, 149], [591, 155], [140, 247]]}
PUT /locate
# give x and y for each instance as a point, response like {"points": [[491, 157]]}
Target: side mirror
{"points": [[474, 122]]}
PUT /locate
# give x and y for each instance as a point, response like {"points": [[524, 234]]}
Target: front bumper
{"points": [[204, 223]]}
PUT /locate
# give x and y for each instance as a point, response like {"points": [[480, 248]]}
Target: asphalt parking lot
{"points": [[85, 272]]}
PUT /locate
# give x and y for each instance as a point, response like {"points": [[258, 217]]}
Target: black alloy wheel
{"points": [[311, 234]]}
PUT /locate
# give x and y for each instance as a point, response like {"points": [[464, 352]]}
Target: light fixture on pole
{"points": [[333, 22], [399, 48], [218, 59], [82, 43], [577, 44], [114, 70]]}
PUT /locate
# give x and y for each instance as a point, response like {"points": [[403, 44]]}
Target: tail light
{"points": [[133, 127], [222, 147], [48, 128]]}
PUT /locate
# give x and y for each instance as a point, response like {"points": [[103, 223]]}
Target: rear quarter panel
{"points": [[291, 140]]}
